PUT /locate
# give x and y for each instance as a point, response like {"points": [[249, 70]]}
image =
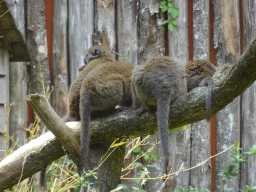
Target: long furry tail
{"points": [[85, 112], [163, 109], [208, 81]]}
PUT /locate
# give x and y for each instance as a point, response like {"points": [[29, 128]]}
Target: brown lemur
{"points": [[103, 88], [199, 74], [102, 55], [155, 85]]}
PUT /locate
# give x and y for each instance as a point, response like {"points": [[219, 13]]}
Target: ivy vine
{"points": [[173, 12]]}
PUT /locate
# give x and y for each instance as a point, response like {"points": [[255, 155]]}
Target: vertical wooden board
{"points": [[2, 143], [226, 43], [38, 68], [3, 88], [4, 60], [60, 55], [105, 24], [127, 24], [151, 43], [2, 117], [200, 177], [178, 48], [80, 31], [18, 81], [127, 17], [248, 131], [18, 99]]}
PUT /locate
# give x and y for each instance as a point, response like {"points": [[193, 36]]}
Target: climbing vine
{"points": [[173, 12]]}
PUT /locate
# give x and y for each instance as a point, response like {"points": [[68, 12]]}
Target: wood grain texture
{"points": [[80, 31], [18, 99], [226, 43], [151, 43], [105, 23], [4, 96], [127, 18], [60, 56], [180, 141], [248, 131], [127, 31], [200, 177], [18, 82], [38, 68]]}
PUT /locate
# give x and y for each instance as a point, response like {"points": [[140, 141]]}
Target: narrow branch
{"points": [[56, 125]]}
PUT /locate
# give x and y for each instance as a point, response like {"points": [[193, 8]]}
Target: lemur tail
{"points": [[85, 112], [163, 109], [208, 96]]}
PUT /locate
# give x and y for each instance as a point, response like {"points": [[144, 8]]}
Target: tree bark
{"points": [[231, 81]]}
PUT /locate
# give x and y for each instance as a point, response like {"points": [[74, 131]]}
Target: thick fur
{"points": [[199, 74], [156, 84], [105, 87], [92, 60]]}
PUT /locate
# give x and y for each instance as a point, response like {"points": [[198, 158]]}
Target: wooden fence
{"points": [[218, 31]]}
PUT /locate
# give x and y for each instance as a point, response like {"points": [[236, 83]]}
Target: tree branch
{"points": [[230, 82], [56, 125]]}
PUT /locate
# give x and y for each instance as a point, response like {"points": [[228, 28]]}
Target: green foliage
{"points": [[237, 159], [173, 12], [233, 169], [191, 189]]}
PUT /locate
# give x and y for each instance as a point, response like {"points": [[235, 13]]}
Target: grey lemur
{"points": [[97, 55], [103, 88], [199, 73], [156, 84]]}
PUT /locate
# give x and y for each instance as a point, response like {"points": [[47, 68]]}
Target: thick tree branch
{"points": [[56, 125], [231, 81]]}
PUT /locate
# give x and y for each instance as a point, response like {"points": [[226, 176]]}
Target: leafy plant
{"points": [[233, 169], [173, 12]]}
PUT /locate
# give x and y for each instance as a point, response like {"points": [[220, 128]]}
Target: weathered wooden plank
{"points": [[248, 131], [38, 68], [80, 31], [18, 99], [60, 57], [4, 97], [127, 24], [178, 47], [105, 24], [151, 43], [201, 177], [39, 71], [18, 82], [226, 43], [127, 17]]}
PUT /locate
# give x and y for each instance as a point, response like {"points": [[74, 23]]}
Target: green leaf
{"points": [[137, 180], [163, 3], [170, 10], [170, 4], [175, 12], [137, 164], [164, 22], [164, 9], [174, 22], [136, 150], [123, 186], [151, 166], [141, 190], [171, 27], [154, 156]]}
